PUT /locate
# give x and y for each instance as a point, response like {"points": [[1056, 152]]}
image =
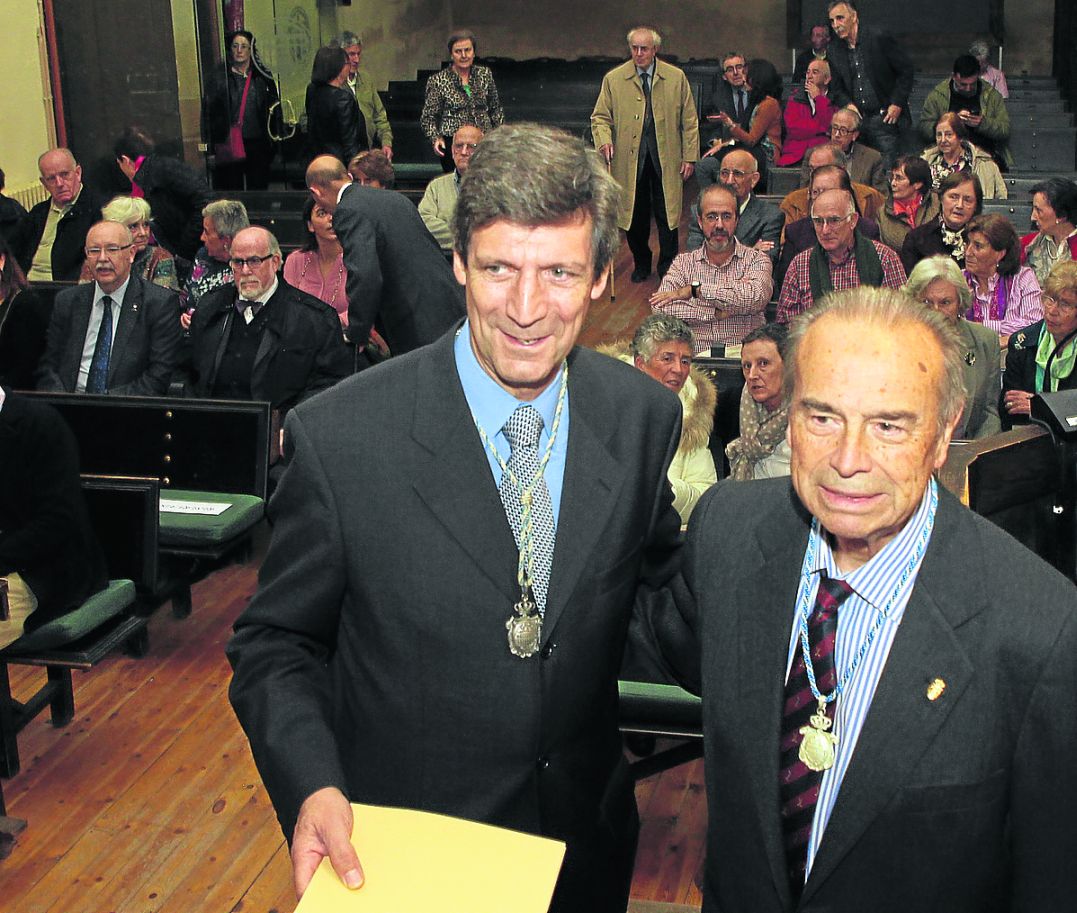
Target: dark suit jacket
{"points": [[963, 804], [24, 327], [176, 194], [800, 235], [718, 97], [68, 251], [889, 69], [146, 340], [398, 279], [45, 533], [1020, 373], [760, 221], [374, 655], [301, 351]]}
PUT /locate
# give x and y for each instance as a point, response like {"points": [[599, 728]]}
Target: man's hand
{"points": [[185, 319], [687, 170], [606, 151], [324, 828], [677, 294], [1018, 402], [764, 246], [969, 119], [811, 89], [892, 114], [439, 147], [388, 151], [716, 147]]}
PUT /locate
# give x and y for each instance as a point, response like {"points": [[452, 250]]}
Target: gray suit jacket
{"points": [[959, 805], [374, 655], [982, 380], [760, 221], [145, 347], [866, 167]]}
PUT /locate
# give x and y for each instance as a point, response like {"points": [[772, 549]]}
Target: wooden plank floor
{"points": [[149, 802]]}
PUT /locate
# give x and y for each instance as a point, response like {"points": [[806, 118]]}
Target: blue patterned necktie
{"points": [[97, 380], [522, 431]]}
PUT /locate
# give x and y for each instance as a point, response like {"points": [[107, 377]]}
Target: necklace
{"points": [[818, 746], [524, 625], [340, 275]]}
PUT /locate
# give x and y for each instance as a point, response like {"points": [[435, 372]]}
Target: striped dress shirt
{"points": [[873, 584], [1023, 301], [732, 297]]}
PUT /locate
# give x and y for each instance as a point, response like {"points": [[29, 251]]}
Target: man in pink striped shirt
{"points": [[721, 289]]}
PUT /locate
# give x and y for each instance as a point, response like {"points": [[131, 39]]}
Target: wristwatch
{"points": [[695, 289]]}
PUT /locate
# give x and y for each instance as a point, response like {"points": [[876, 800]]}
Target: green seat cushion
{"points": [[659, 705], [94, 612], [244, 511]]}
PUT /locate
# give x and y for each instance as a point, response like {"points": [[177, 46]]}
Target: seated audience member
{"points": [[759, 223], [118, 334], [1005, 295], [11, 211], [439, 202], [910, 203], [938, 283], [175, 191], [49, 242], [49, 555], [722, 289], [978, 107], [1054, 210], [317, 268], [662, 347], [864, 164], [1042, 356], [262, 339], [762, 450], [818, 39], [800, 235], [727, 94], [372, 168], [841, 258], [335, 125], [960, 198], [222, 220], [953, 154], [807, 114], [797, 203], [152, 262], [992, 75], [24, 323]]}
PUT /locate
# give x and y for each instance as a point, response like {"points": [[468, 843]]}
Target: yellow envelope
{"points": [[418, 862]]}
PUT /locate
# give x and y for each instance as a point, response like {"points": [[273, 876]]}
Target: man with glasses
{"points": [[727, 94], [48, 242], [262, 339], [378, 132], [864, 164], [439, 202], [722, 289], [796, 204], [118, 334], [842, 258]]}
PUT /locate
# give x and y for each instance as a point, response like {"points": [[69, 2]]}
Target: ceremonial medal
{"points": [[524, 627], [817, 744]]}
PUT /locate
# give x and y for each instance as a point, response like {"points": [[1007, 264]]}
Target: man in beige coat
{"points": [[644, 124]]}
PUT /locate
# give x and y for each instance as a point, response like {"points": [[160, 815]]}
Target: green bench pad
{"points": [[664, 704], [244, 511], [94, 612]]}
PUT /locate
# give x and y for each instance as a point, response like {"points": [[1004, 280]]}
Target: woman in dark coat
{"points": [[335, 125], [24, 324]]}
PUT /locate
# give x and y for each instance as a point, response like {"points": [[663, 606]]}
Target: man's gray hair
{"points": [[533, 175], [658, 329], [939, 267], [837, 154], [888, 308], [978, 49], [229, 217], [848, 196], [346, 40], [729, 55], [656, 39], [858, 121]]}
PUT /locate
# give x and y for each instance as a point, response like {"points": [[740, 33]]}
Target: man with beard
{"points": [[721, 289]]}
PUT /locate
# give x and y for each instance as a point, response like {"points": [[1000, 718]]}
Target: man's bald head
{"points": [[61, 175], [740, 173], [325, 176]]}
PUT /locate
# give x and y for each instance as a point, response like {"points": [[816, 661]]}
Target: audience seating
{"points": [[661, 711]]}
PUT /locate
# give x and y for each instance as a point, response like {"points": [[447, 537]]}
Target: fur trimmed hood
{"points": [[698, 398]]}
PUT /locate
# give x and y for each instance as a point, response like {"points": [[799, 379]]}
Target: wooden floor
{"points": [[149, 801]]}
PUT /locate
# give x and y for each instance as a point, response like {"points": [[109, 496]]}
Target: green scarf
{"points": [[868, 267], [1065, 357]]}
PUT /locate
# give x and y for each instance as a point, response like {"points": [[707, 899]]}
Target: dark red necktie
{"points": [[798, 784]]}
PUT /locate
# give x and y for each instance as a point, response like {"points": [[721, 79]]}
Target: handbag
{"points": [[233, 150]]}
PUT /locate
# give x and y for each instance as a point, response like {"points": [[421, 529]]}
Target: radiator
{"points": [[30, 196]]}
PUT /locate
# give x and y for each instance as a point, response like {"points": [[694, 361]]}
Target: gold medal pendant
{"points": [[817, 745], [524, 627]]}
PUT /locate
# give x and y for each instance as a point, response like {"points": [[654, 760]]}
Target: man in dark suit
{"points": [[727, 93], [261, 338], [925, 763], [393, 653], [49, 555], [398, 280], [118, 334], [882, 99], [48, 242]]}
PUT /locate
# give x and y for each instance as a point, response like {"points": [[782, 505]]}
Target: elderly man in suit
{"points": [[890, 682], [119, 334], [441, 627], [726, 94], [398, 280], [645, 126]]}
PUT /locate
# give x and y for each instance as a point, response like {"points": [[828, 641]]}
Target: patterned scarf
{"points": [[955, 240], [868, 267], [761, 432]]}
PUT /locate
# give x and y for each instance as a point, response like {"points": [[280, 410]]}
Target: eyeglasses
{"points": [[460, 147], [1067, 306], [109, 251], [835, 130], [735, 68], [712, 217], [59, 177], [250, 262], [829, 221], [733, 173]]}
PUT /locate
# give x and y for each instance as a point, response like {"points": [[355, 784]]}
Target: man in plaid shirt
{"points": [[842, 258], [721, 289]]}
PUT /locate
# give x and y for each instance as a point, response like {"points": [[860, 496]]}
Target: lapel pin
{"points": [[970, 358], [935, 689]]}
